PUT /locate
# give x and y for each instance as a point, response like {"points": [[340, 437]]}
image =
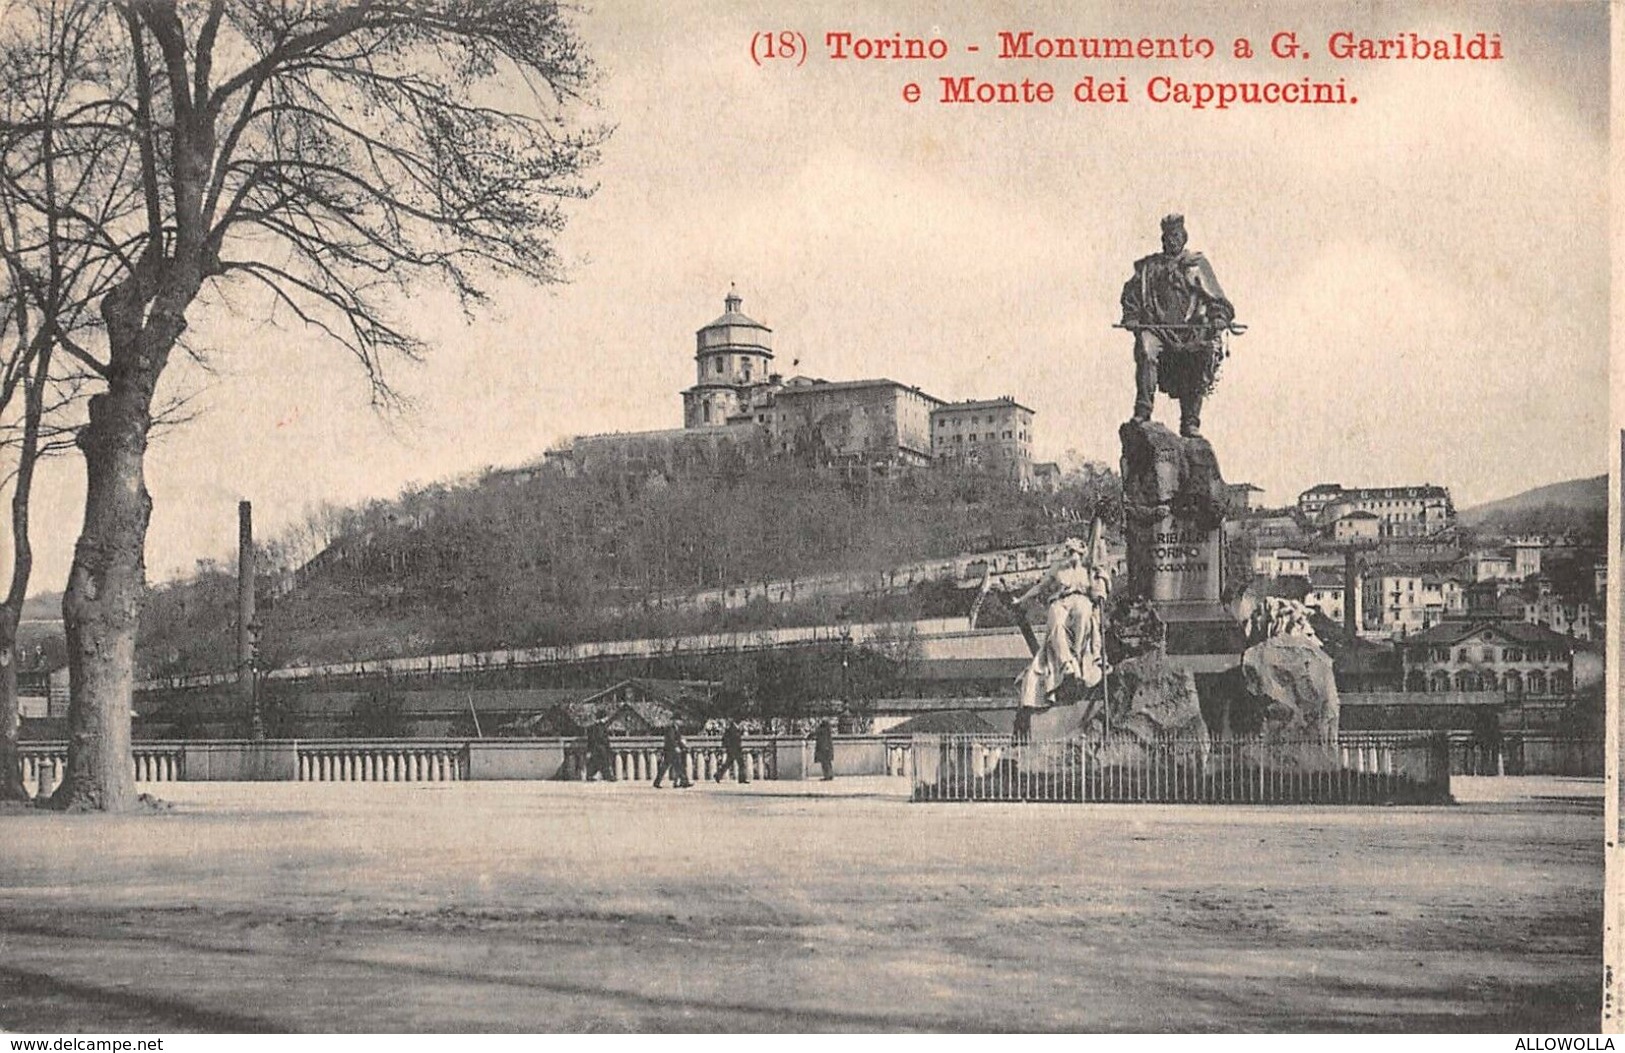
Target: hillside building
{"points": [[1281, 563], [734, 380], [1400, 601], [1402, 511], [1328, 594], [1358, 525], [1541, 606], [738, 397], [854, 422], [997, 433], [1243, 497]]}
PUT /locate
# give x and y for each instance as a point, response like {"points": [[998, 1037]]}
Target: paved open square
{"points": [[798, 906]]}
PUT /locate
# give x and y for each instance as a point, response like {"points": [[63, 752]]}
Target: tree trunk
{"points": [[11, 767], [102, 604]]}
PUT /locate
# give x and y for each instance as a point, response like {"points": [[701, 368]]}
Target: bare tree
{"points": [[59, 176], [328, 153]]}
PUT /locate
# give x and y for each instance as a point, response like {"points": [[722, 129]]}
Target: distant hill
{"points": [[555, 556], [1579, 505]]}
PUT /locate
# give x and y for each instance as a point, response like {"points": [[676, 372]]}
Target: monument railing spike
{"points": [[1234, 328]]}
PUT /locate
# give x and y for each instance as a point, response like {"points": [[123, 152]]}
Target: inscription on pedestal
{"points": [[1184, 563]]}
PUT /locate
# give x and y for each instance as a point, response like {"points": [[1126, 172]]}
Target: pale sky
{"points": [[1425, 273]]}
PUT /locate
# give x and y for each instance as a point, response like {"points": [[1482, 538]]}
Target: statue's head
{"points": [[1173, 233]]}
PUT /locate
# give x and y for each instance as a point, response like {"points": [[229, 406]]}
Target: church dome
{"points": [[734, 330]]}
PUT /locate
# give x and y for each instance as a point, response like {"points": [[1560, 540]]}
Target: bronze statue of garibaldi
{"points": [[1179, 317]]}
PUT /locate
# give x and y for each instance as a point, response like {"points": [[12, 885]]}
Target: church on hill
{"points": [[740, 396]]}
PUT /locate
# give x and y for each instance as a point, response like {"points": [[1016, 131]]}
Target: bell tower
{"points": [[732, 361]]}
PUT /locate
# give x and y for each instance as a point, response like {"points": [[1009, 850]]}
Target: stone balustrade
{"points": [[44, 763], [42, 769], [636, 759]]}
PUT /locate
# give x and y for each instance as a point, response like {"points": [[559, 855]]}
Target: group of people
{"points": [[674, 750]]}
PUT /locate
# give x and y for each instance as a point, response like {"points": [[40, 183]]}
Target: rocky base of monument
{"points": [[1289, 706], [1174, 502], [1150, 699], [1154, 699], [1290, 690]]}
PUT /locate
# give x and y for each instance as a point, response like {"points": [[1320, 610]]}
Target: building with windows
{"points": [[1401, 601], [1525, 553], [1402, 511], [1392, 601], [854, 422], [734, 381], [997, 433], [738, 399], [1517, 658], [1357, 526], [1327, 594], [1243, 497], [1271, 530], [1281, 563], [1543, 607], [1487, 565]]}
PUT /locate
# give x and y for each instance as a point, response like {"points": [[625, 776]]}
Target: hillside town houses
{"points": [[1465, 616]]}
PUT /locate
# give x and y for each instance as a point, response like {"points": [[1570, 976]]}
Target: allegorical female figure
{"points": [[1073, 657]]}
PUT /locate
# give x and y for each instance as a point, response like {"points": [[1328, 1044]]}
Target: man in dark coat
{"points": [[824, 748], [600, 755], [672, 749], [733, 748], [1179, 317]]}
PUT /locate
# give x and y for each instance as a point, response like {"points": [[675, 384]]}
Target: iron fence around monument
{"points": [[1350, 768]]}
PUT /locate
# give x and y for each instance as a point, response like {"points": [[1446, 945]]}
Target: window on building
{"points": [[1439, 680], [1537, 682], [1560, 683], [1007, 435], [972, 436], [718, 363]]}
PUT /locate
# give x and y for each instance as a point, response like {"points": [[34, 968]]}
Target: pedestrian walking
{"points": [[600, 754], [824, 749], [672, 751], [733, 750]]}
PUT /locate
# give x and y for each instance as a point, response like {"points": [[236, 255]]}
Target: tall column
{"points": [[1351, 585], [246, 627]]}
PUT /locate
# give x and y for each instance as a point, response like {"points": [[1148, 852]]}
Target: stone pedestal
{"points": [[1173, 522], [1291, 690]]}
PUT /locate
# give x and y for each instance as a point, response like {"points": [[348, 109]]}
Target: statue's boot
{"points": [[1190, 417]]}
